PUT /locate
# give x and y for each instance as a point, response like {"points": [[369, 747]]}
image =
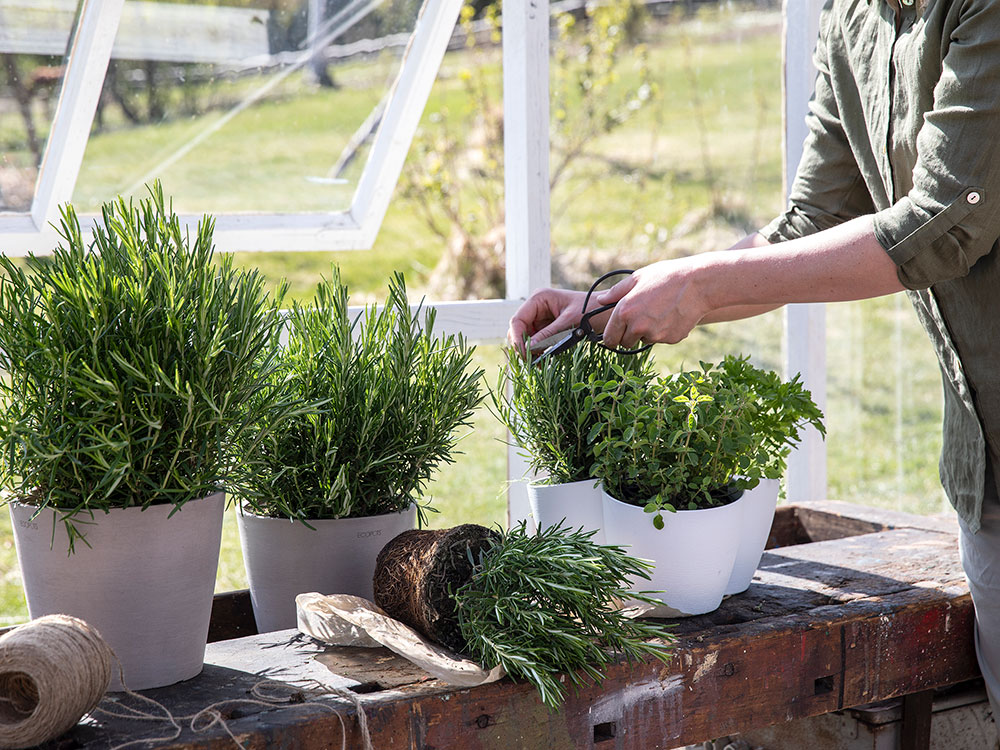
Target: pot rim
{"points": [[94, 512], [640, 509], [245, 512]]}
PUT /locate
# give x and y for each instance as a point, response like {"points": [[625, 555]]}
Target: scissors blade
{"points": [[571, 339]]}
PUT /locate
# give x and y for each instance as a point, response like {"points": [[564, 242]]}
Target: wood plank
{"points": [[915, 733], [850, 518], [824, 626], [232, 616]]}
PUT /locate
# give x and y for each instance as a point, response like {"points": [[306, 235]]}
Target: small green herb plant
{"points": [[134, 364], [695, 439], [543, 604], [392, 397], [550, 408]]}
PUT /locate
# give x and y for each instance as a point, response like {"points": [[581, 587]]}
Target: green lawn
{"points": [[712, 133]]}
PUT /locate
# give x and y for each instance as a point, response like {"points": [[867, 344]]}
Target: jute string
{"points": [[266, 694], [56, 669], [53, 670]]}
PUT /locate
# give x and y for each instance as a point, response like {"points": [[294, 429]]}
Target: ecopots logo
{"points": [[369, 534]]}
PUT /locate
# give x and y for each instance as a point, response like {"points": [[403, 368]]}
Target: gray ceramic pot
{"points": [[285, 558], [144, 580]]}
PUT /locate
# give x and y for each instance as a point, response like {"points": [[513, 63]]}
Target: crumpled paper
{"points": [[344, 620]]}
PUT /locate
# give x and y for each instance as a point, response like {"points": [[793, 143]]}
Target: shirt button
{"points": [[973, 197]]}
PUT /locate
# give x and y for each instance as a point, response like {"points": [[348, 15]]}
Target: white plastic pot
{"points": [[694, 552], [144, 580], [757, 508], [577, 504], [285, 558]]}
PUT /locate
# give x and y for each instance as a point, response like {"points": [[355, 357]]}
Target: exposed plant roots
{"points": [[417, 571]]}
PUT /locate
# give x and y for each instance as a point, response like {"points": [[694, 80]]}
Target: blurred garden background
{"points": [[666, 140]]}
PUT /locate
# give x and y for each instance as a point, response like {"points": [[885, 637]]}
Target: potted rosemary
{"points": [[551, 411], [333, 486], [690, 463], [134, 362], [539, 605]]}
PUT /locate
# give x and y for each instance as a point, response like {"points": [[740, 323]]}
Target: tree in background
{"points": [[454, 176]]}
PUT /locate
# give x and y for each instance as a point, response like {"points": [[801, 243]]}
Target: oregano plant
{"points": [[697, 438]]}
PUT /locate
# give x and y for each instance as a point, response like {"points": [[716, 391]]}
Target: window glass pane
{"points": [[34, 35], [667, 142], [884, 407], [246, 105]]}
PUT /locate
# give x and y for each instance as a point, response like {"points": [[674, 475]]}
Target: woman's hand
{"points": [[544, 314], [659, 303]]}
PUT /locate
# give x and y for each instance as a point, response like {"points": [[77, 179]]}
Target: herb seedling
{"points": [[551, 409]]}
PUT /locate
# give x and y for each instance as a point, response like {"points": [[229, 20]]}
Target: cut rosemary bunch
{"points": [[537, 605]]}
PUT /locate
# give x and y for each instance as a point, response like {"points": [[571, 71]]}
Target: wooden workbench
{"points": [[850, 606]]}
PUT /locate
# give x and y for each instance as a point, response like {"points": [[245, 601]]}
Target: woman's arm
{"points": [[664, 301]]}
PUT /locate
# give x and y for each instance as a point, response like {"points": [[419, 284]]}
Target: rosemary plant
{"points": [[133, 365], [551, 409], [693, 439], [393, 396], [541, 605]]}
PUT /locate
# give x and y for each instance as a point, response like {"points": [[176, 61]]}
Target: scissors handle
{"points": [[585, 323]]}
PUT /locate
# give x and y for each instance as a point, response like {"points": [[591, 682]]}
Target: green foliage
{"points": [[392, 397], [132, 366], [454, 177], [540, 605], [687, 439], [590, 95], [549, 407]]}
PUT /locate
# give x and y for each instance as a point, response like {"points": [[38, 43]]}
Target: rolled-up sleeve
{"points": [[950, 218], [828, 188]]}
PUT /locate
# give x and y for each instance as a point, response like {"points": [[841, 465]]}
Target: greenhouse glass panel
{"points": [[34, 35], [884, 407], [667, 142], [247, 106]]}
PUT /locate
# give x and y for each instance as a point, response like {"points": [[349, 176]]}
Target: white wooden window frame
{"points": [[355, 228]]}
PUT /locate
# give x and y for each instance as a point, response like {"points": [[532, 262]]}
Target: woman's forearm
{"points": [[663, 301]]}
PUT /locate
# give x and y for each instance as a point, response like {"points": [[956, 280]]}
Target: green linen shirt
{"points": [[903, 125]]}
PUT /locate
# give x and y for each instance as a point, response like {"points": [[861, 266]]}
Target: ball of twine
{"points": [[53, 671]]}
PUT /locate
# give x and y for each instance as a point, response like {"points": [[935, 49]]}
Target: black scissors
{"points": [[585, 330]]}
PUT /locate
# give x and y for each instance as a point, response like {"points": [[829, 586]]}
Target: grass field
{"points": [[712, 135]]}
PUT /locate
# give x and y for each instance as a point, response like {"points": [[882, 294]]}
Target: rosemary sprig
{"points": [[541, 605]]}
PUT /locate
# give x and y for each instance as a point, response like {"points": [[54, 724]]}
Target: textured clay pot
{"points": [[757, 506], [694, 552], [285, 558], [576, 504], [144, 580]]}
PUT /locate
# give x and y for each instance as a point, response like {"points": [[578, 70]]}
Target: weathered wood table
{"points": [[850, 606]]}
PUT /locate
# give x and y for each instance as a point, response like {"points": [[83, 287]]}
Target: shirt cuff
{"points": [[789, 226], [928, 248]]}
